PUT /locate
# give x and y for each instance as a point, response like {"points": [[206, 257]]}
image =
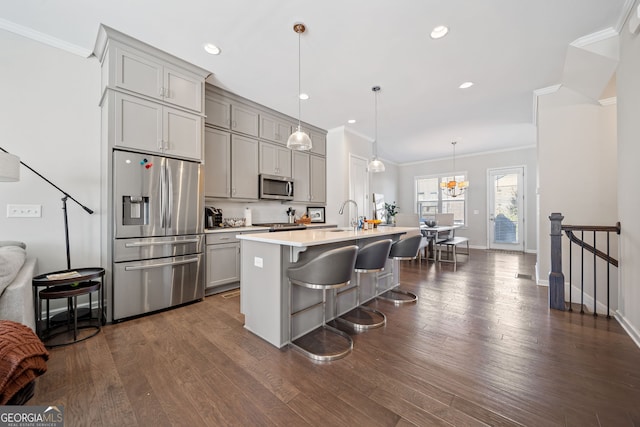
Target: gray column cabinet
{"points": [[217, 163], [309, 178], [148, 126], [144, 74], [275, 159], [244, 167], [152, 101], [274, 129]]}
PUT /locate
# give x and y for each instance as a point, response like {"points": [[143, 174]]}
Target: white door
{"points": [[358, 187], [506, 208]]}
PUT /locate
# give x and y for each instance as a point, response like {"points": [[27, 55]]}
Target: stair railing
{"points": [[556, 277]]}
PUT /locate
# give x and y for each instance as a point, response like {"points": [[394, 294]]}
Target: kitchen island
{"points": [[264, 286]]}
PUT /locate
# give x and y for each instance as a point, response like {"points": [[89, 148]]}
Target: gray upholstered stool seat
{"points": [[330, 270], [371, 259], [405, 249]]}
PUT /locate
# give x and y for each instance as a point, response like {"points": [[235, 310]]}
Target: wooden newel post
{"points": [[556, 277]]}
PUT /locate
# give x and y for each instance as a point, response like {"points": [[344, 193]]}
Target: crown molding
{"points": [[594, 37], [608, 101], [44, 38], [476, 154]]}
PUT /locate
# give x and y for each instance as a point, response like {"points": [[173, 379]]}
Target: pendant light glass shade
{"points": [[299, 140], [375, 165]]}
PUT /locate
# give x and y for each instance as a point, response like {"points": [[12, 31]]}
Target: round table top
{"points": [[63, 277]]}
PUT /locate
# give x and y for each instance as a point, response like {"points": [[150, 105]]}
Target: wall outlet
{"points": [[257, 261], [24, 211]]}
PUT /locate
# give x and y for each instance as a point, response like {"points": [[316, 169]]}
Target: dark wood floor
{"points": [[479, 348]]}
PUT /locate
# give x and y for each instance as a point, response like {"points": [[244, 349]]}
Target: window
{"points": [[430, 199]]}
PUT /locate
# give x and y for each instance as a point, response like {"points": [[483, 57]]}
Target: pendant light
{"points": [[299, 140], [376, 165], [454, 188]]}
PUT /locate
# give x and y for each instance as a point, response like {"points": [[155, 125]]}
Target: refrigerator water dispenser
{"points": [[135, 210]]}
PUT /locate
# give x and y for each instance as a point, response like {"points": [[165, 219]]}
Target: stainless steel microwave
{"points": [[276, 187]]}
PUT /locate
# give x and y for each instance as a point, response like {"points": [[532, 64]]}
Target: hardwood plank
{"points": [[480, 347]]}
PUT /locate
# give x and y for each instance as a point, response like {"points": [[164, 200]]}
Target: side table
{"points": [[69, 284]]}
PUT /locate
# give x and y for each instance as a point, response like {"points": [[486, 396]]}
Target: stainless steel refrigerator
{"points": [[158, 259]]}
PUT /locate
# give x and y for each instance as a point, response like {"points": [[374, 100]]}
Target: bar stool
{"points": [[330, 270], [402, 250], [371, 259]]}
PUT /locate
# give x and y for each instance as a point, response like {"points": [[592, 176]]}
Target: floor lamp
{"points": [[10, 171]]}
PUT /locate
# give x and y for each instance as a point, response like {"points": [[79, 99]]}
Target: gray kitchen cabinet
{"points": [[217, 163], [244, 167], [150, 76], [275, 159], [318, 143], [309, 178], [225, 114], [231, 165], [149, 126], [274, 129], [217, 111], [318, 179], [223, 261]]}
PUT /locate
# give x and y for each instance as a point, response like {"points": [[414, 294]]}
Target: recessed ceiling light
{"points": [[439, 32], [212, 49], [351, 121], [466, 85], [304, 96]]}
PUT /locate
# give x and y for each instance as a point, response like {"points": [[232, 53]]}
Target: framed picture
{"points": [[316, 214]]}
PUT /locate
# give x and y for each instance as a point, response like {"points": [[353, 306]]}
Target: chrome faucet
{"points": [[341, 211], [353, 222]]}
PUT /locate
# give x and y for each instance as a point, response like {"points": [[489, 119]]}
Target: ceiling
{"points": [[507, 48]]}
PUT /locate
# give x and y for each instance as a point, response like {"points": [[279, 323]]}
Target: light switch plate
{"points": [[257, 261], [24, 211]]}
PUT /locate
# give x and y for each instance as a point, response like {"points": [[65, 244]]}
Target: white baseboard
{"points": [[633, 332]]}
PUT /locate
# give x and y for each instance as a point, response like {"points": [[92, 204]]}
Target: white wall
{"points": [[386, 183], [629, 196], [577, 172], [51, 120], [476, 167], [341, 142]]}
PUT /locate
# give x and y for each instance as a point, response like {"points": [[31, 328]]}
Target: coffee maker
{"points": [[212, 217]]}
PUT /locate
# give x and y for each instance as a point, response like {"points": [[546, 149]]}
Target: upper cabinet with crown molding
{"points": [[152, 101]]}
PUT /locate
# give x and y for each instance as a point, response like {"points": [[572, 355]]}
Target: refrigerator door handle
{"points": [[160, 264], [162, 197], [169, 178], [143, 244]]}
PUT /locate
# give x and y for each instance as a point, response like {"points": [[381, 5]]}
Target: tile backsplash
{"points": [[261, 212]]}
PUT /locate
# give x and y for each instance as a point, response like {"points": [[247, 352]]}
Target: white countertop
{"points": [[256, 228], [304, 238]]}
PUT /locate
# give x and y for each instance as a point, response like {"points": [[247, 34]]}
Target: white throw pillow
{"points": [[11, 261]]}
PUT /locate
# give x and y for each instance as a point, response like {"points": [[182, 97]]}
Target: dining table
{"points": [[434, 235]]}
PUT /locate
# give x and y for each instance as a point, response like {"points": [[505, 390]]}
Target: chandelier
{"points": [[454, 188]]}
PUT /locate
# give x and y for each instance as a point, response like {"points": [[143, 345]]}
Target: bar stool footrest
{"points": [[324, 344], [362, 318], [398, 296]]}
